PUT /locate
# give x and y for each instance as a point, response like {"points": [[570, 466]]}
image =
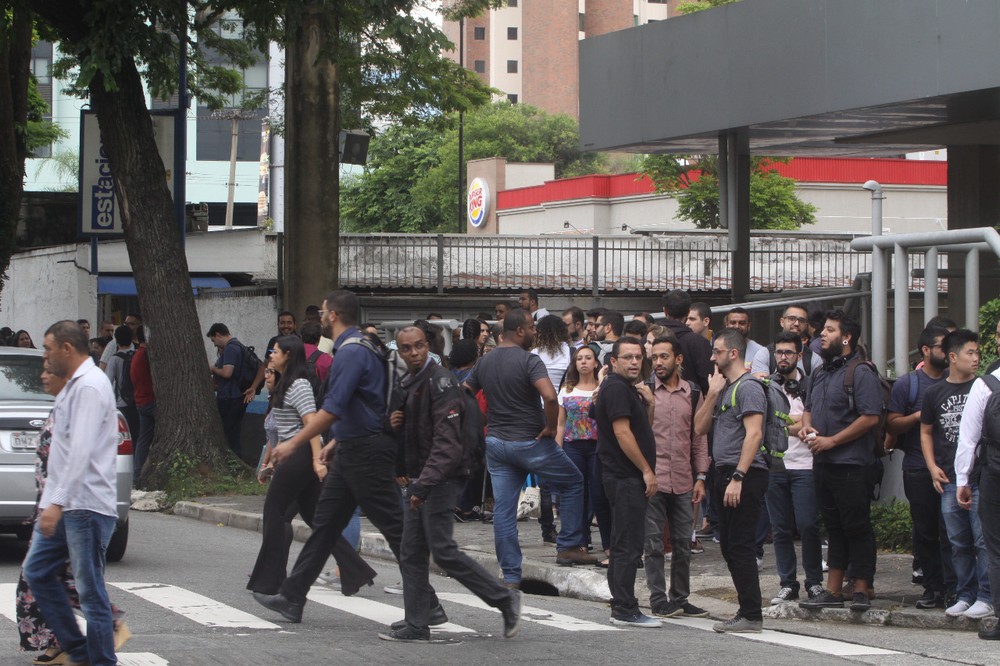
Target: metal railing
{"points": [[697, 261]]}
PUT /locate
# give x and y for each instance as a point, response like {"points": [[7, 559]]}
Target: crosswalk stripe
{"points": [[195, 607], [8, 603], [372, 610], [798, 641], [140, 659], [532, 614]]}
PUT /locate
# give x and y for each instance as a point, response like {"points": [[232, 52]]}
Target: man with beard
{"points": [[931, 547], [791, 493], [842, 442], [681, 465], [437, 464], [734, 411], [794, 319], [519, 441], [286, 326], [697, 350], [627, 451]]}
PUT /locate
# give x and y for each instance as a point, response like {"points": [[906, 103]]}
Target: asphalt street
{"points": [[182, 585]]}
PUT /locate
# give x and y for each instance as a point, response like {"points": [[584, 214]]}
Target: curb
{"points": [[908, 619], [571, 582]]}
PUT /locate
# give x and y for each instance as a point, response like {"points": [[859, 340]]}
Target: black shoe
{"points": [[548, 537], [930, 599], [512, 614], [289, 610], [436, 618], [825, 599], [667, 609], [990, 634], [860, 603], [690, 610], [406, 634]]}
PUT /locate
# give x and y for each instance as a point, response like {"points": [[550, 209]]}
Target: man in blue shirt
{"points": [[364, 468], [226, 373]]}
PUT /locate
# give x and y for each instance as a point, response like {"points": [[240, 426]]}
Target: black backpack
{"points": [[473, 432], [988, 447], [248, 368], [394, 370], [880, 433], [318, 385], [123, 382]]}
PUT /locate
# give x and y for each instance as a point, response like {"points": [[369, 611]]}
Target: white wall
{"points": [[250, 316], [46, 286], [524, 174]]}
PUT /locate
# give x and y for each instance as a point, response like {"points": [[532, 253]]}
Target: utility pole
{"points": [[234, 116]]}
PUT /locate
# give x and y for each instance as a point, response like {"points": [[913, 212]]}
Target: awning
{"points": [[123, 285]]}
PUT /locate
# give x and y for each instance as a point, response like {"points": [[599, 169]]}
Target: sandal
{"points": [[603, 564], [59, 657]]}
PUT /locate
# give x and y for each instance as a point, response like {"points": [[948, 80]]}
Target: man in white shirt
{"points": [[78, 503], [528, 301]]}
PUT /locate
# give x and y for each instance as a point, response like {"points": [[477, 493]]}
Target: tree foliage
{"points": [[700, 5], [410, 182], [694, 181]]}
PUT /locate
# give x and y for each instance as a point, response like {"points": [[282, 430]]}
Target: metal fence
{"points": [[694, 261]]}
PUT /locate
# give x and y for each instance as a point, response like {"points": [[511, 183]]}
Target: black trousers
{"points": [[295, 489], [930, 538], [363, 474], [232, 410], [844, 498], [989, 516], [627, 496], [738, 534], [429, 531]]}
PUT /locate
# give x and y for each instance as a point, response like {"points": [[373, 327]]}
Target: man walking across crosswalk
{"points": [[437, 463]]}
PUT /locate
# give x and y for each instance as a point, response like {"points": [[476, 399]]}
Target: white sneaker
{"points": [[958, 609], [396, 588], [760, 564], [979, 610]]}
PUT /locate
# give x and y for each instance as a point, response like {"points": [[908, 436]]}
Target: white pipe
{"points": [[901, 308], [930, 284], [880, 283], [972, 290]]}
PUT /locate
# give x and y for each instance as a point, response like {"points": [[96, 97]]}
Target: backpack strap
{"points": [[807, 358], [992, 383], [849, 383], [695, 392], [772, 362]]}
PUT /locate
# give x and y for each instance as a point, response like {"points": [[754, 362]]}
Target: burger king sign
{"points": [[478, 202]]}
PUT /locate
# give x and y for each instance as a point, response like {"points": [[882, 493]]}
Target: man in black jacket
{"points": [[437, 463], [696, 349]]}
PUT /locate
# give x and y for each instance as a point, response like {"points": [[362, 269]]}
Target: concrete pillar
{"points": [[973, 201], [493, 170], [738, 210]]}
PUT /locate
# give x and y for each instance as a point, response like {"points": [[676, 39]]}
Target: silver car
{"points": [[24, 408]]}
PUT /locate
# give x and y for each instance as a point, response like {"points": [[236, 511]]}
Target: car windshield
{"points": [[21, 379]]}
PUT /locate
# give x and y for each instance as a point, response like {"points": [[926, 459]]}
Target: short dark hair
{"points": [[69, 331], [928, 335], [817, 317], [312, 309], [954, 341], [703, 310], [577, 314], [675, 346], [847, 326], [788, 336], [636, 327], [81, 322], [311, 332], [136, 315], [615, 320], [217, 329], [676, 303], [626, 340], [942, 322], [139, 336], [532, 295], [345, 304], [736, 310], [463, 353], [797, 306], [596, 312], [733, 339], [515, 319], [286, 313]]}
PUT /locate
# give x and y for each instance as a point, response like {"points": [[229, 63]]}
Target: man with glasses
{"points": [[627, 451], [590, 328], [609, 327], [931, 547], [734, 411], [794, 320], [697, 350], [739, 319]]}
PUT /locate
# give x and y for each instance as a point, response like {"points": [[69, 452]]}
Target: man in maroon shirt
{"points": [[145, 403], [681, 455]]}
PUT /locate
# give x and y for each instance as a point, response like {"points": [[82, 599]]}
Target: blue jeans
{"points": [[965, 532], [82, 536], [583, 453], [353, 530], [791, 503], [509, 463]]}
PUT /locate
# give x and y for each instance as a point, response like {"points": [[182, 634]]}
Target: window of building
{"points": [[479, 33], [635, 20], [479, 66], [41, 69], [512, 3], [512, 98], [512, 67], [582, 23], [511, 33]]}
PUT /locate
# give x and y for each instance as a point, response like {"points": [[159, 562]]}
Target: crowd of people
{"points": [[651, 429]]}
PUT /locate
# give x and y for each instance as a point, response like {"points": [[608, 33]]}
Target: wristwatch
{"points": [[738, 476]]}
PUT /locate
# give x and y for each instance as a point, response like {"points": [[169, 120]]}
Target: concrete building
{"points": [[529, 49]]}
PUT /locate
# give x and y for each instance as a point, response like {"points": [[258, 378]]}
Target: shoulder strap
{"points": [[772, 362], [992, 383], [849, 382], [695, 392], [807, 354], [913, 385], [314, 356]]}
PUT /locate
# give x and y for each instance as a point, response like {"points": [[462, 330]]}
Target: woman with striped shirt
{"points": [[296, 483]]}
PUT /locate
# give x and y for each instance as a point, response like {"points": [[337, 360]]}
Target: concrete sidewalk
{"points": [[711, 585]]}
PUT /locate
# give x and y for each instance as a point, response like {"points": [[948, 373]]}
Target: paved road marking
{"points": [[140, 659], [8, 606], [532, 614], [798, 641], [195, 607], [372, 610]]}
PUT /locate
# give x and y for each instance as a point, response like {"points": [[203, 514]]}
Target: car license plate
{"points": [[23, 441]]}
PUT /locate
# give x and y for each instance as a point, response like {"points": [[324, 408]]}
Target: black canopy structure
{"points": [[806, 77]]}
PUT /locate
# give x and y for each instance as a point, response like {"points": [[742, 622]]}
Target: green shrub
{"points": [[893, 528], [989, 315]]}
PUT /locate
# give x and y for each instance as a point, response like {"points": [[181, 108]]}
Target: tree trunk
{"points": [[312, 165], [15, 57], [187, 420]]}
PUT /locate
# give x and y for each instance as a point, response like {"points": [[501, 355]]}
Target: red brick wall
{"points": [[550, 69], [604, 16]]}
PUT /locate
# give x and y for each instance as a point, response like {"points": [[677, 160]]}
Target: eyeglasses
{"points": [[269, 371], [785, 352], [797, 320], [417, 346], [720, 352]]}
